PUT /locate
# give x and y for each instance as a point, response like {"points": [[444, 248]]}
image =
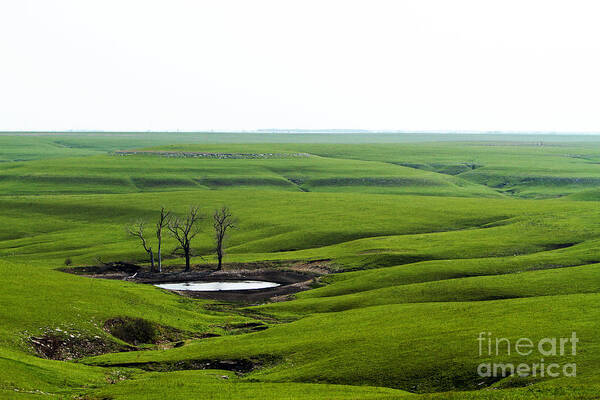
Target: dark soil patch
{"points": [[240, 366], [279, 276], [115, 270], [292, 276], [126, 270], [137, 331], [63, 346], [291, 282]]}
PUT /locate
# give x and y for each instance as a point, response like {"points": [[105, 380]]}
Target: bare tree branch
{"points": [[137, 230], [185, 230], [163, 220], [222, 221]]}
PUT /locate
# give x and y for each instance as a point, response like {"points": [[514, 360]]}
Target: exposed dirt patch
{"points": [[137, 331], [319, 267], [127, 270], [115, 270], [292, 276], [279, 276], [64, 346], [240, 366], [57, 344], [291, 282]]}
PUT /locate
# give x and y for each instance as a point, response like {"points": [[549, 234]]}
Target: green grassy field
{"points": [[431, 240]]}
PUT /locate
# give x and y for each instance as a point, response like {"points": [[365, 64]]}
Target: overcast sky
{"points": [[194, 65]]}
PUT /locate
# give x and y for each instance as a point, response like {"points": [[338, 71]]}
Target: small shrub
{"points": [[133, 330]]}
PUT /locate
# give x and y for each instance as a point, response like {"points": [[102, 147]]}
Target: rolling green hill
{"points": [[429, 240]]}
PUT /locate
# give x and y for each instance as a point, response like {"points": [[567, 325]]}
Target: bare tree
{"points": [[222, 222], [162, 222], [137, 230], [184, 230]]}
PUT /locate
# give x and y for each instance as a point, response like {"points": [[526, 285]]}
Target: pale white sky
{"points": [[224, 64]]}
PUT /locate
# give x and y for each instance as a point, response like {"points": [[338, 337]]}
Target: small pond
{"points": [[217, 286]]}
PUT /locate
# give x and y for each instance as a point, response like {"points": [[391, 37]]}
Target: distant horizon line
{"points": [[322, 131]]}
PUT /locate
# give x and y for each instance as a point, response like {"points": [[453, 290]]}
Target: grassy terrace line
{"points": [[431, 239]]}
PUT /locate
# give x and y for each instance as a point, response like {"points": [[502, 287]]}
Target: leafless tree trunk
{"points": [[222, 221], [162, 222], [184, 230], [137, 230]]}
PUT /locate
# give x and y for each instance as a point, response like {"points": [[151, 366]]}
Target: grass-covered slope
{"points": [[37, 302], [525, 168], [84, 227], [582, 254], [428, 245], [417, 347], [221, 385], [378, 231], [529, 167], [147, 172], [583, 279]]}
